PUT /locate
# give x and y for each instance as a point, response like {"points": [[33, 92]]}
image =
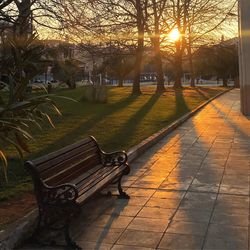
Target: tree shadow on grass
{"points": [[181, 105], [206, 95], [129, 128], [81, 130]]}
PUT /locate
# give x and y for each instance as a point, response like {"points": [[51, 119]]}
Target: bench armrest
{"points": [[65, 193], [118, 158]]}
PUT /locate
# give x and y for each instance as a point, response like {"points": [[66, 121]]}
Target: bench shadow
{"points": [[98, 207]]}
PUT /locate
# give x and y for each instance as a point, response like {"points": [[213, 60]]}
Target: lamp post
{"points": [[244, 54]]}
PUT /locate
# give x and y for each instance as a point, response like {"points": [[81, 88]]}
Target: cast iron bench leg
{"points": [[70, 243], [122, 194]]}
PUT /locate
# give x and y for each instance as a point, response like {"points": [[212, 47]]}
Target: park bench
{"points": [[65, 179]]}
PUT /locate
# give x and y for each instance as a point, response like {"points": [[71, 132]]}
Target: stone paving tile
{"points": [[189, 163], [149, 224], [127, 183], [101, 235], [108, 221], [94, 245], [206, 205], [226, 237], [199, 196], [183, 173], [140, 238], [123, 210], [213, 243], [236, 200], [156, 212], [233, 208], [180, 242], [192, 215], [208, 178], [123, 247], [236, 180], [133, 201], [175, 184], [152, 178], [210, 172], [33, 247], [145, 184], [203, 187], [215, 162], [140, 192], [177, 195], [210, 165], [241, 164], [162, 203], [190, 228], [227, 189], [230, 218], [228, 232]]}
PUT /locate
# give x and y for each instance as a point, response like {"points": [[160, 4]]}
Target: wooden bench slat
{"points": [[94, 177], [103, 183], [100, 176], [69, 163], [59, 158], [41, 159], [86, 175], [70, 174]]}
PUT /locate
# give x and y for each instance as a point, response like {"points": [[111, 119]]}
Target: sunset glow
{"points": [[174, 35]]}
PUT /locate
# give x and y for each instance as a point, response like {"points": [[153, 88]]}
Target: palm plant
{"points": [[19, 110]]}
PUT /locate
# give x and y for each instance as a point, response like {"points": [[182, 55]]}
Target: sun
{"points": [[174, 35]]}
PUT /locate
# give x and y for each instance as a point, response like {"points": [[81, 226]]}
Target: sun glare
{"points": [[174, 35]]}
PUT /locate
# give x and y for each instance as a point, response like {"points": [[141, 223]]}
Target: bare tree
{"points": [[130, 22], [155, 26], [204, 22], [198, 22], [99, 21], [24, 16]]}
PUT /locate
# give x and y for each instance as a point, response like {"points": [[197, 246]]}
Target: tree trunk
{"points": [[23, 24], [120, 82], [236, 82], [139, 52], [178, 67], [224, 82], [191, 67], [192, 81], [158, 65], [178, 73], [137, 70], [189, 51]]}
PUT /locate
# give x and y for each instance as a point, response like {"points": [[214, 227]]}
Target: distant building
{"points": [[244, 53]]}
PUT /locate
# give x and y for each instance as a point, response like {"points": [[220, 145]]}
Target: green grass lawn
{"points": [[119, 124]]}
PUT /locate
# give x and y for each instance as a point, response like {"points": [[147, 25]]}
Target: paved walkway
{"points": [[190, 191]]}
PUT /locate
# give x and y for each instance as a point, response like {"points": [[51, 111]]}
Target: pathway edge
{"points": [[141, 148]]}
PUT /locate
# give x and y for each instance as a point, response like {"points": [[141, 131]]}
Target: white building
{"points": [[244, 53]]}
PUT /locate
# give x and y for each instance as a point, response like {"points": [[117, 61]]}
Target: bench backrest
{"points": [[66, 164]]}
